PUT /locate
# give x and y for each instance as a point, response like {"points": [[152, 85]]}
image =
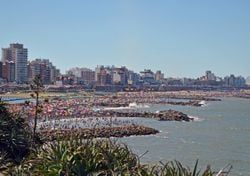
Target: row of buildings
{"points": [[15, 67], [123, 77], [210, 79], [112, 76]]}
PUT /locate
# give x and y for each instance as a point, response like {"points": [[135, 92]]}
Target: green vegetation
{"points": [[95, 157], [14, 137]]}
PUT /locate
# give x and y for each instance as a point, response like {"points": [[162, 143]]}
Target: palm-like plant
{"points": [[14, 135], [77, 157], [97, 157], [36, 86]]}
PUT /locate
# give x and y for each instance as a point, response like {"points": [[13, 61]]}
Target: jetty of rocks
{"points": [[168, 115], [105, 132], [156, 101]]}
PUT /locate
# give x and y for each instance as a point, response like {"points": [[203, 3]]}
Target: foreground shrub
{"points": [[15, 136], [16, 139], [96, 157], [77, 157]]}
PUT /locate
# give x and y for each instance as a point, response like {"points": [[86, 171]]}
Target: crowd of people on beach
{"points": [[87, 112], [107, 115], [90, 122]]}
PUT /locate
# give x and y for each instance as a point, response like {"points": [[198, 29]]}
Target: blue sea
{"points": [[220, 136]]}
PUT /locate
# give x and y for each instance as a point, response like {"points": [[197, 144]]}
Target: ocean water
{"points": [[16, 100], [220, 136]]}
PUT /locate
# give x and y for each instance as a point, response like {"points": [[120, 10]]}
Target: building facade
{"points": [[88, 76], [21, 65], [233, 81], [18, 55], [6, 55], [209, 76], [120, 76], [159, 76], [8, 71], [45, 69]]}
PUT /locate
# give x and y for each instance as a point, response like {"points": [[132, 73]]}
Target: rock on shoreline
{"points": [[172, 115]]}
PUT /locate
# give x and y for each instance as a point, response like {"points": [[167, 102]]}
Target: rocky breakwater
{"points": [[168, 115], [188, 103], [105, 132], [124, 103]]}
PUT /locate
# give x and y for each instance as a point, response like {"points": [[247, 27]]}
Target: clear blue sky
{"points": [[179, 37]]}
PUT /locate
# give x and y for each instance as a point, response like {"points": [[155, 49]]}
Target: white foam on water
{"points": [[203, 103], [135, 105], [116, 108], [130, 106], [196, 119]]}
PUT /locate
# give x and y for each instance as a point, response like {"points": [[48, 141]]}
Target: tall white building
{"points": [[21, 65]]}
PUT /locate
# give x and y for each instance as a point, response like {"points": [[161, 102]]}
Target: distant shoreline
{"points": [[182, 94]]}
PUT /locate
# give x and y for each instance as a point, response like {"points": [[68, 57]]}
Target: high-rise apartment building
{"points": [[148, 76], [209, 76], [159, 75], [98, 71], [19, 55], [6, 54], [44, 68], [53, 74], [8, 71], [120, 76], [82, 75], [21, 65], [133, 78], [88, 76], [233, 81]]}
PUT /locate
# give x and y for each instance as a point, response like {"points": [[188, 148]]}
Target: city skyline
{"points": [[5, 55], [182, 39]]}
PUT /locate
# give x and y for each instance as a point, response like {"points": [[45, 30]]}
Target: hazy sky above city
{"points": [[181, 38]]}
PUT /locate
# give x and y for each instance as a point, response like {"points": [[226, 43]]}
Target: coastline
{"points": [[126, 103]]}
